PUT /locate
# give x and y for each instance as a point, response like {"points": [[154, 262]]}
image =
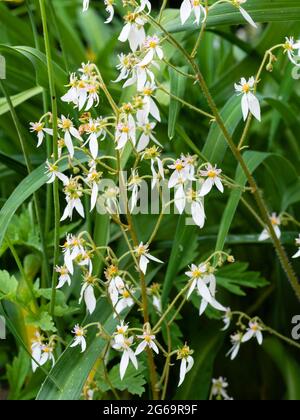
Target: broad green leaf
{"points": [[16, 374], [287, 365], [177, 88], [253, 160], [41, 321], [19, 98], [260, 10], [215, 146]]}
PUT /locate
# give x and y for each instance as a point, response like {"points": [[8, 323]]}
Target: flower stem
{"points": [[55, 148]]}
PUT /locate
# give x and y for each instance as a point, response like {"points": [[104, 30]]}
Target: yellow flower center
{"points": [[126, 294], [246, 88], [152, 44], [148, 92], [179, 166], [212, 174], [67, 124], [125, 129]]}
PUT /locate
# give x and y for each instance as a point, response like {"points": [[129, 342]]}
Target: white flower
{"points": [[149, 107], [195, 6], [148, 341], [79, 338], [297, 255], [36, 350], [133, 31], [73, 191], [66, 125], [64, 276], [249, 101], [158, 174], [245, 14], [254, 330], [126, 131], [134, 186], [126, 300], [276, 222], [126, 64], [47, 354], [147, 129], [145, 4], [73, 247], [128, 355], [121, 332], [115, 288], [110, 10], [182, 172], [236, 341], [197, 207], [205, 282], [227, 319], [87, 293], [53, 173], [289, 48], [93, 179], [213, 178], [152, 47], [86, 4], [142, 252], [40, 130], [187, 362], [219, 388]]}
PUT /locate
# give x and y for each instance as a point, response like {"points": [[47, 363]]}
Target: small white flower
{"points": [[219, 389], [195, 6], [147, 129], [87, 293], [197, 207], [148, 341], [64, 276], [249, 101], [276, 222], [153, 48], [116, 284], [254, 331], [53, 173], [205, 282], [145, 4], [297, 255], [245, 14], [86, 4], [121, 332], [79, 338], [149, 107], [72, 248], [126, 132], [40, 130], [290, 47], [182, 173], [66, 125], [159, 174], [236, 341], [142, 252], [109, 7], [227, 319], [133, 31], [47, 354], [127, 356], [126, 300], [36, 350], [93, 179], [73, 192], [213, 178], [187, 362]]}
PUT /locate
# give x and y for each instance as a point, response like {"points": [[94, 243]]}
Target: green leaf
{"points": [[16, 374], [260, 11], [215, 146], [287, 365], [252, 160], [41, 320], [19, 98], [133, 381], [8, 286], [177, 88], [236, 276]]}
